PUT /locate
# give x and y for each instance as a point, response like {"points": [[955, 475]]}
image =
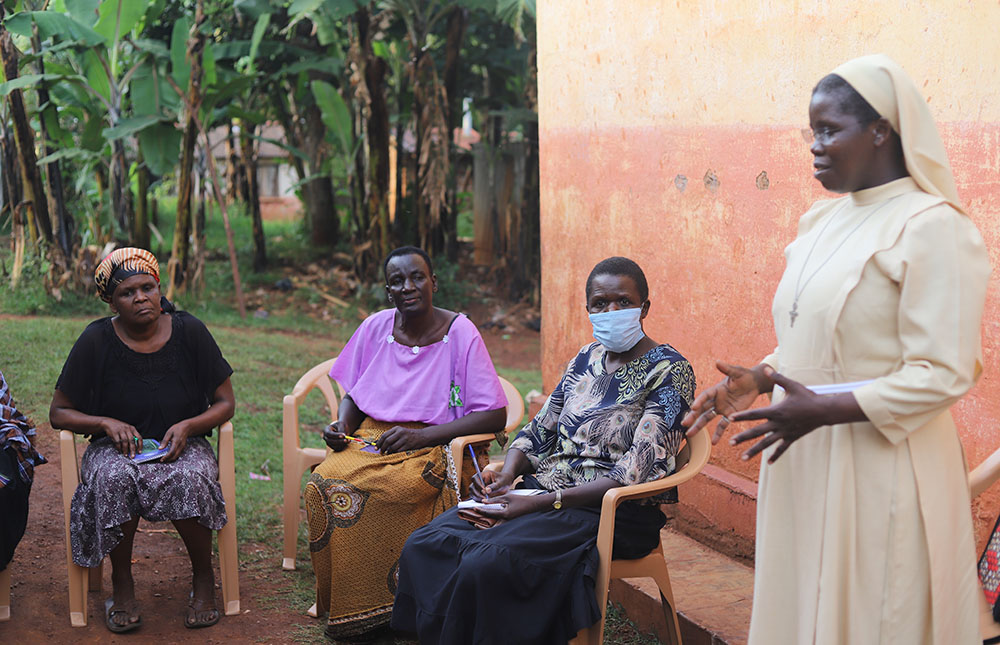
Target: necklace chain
{"points": [[794, 313]]}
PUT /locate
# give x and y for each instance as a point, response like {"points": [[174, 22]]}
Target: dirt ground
{"points": [[39, 598]]}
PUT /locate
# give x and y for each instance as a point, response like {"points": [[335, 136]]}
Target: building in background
{"points": [[671, 132]]}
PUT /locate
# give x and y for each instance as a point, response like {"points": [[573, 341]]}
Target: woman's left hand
{"points": [[398, 439], [176, 436], [798, 414], [516, 506]]}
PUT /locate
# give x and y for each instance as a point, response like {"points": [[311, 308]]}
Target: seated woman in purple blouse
{"points": [[416, 377]]}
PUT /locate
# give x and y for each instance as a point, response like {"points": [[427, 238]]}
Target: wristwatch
{"points": [[557, 503]]}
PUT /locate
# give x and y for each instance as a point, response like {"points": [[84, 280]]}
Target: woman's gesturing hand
{"points": [[735, 393], [798, 414], [398, 439], [335, 437], [177, 437], [125, 437]]}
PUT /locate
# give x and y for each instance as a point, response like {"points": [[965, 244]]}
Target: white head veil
{"points": [[894, 95]]}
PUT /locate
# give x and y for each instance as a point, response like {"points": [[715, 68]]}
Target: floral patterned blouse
{"points": [[625, 425]]}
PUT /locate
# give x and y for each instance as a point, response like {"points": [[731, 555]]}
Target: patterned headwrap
{"points": [[15, 433], [120, 265]]}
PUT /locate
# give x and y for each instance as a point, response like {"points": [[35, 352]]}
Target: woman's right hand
{"points": [[335, 437], [493, 484], [733, 394], [126, 438]]}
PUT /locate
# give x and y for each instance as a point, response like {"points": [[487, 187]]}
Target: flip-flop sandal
{"points": [[191, 619], [111, 624]]}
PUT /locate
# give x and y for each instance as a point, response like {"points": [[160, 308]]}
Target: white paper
{"points": [[834, 388], [471, 503]]}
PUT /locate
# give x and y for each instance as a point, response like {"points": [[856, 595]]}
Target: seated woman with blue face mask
{"points": [[613, 420]]}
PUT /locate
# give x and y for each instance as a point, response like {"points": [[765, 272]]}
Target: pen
{"points": [[367, 442], [479, 473]]}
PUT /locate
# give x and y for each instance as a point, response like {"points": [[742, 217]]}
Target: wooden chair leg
{"points": [[5, 593]]}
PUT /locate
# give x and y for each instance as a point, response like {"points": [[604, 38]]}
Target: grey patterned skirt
{"points": [[114, 489]]}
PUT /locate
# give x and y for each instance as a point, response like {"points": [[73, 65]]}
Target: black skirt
{"points": [[527, 580], [13, 507]]}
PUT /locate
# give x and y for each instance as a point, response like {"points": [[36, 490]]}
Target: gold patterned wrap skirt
{"points": [[361, 507]]}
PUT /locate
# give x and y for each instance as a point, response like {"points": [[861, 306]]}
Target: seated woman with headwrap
{"points": [[613, 420], [416, 377], [148, 372], [18, 459]]}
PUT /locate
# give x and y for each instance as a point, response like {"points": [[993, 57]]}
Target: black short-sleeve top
{"points": [[104, 377]]}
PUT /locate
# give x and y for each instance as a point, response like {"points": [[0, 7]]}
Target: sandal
{"points": [[191, 619], [110, 612]]}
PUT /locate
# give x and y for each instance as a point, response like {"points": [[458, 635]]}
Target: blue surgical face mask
{"points": [[618, 330]]}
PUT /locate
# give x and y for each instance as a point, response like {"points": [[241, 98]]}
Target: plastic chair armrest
{"points": [[700, 449], [70, 471], [227, 457], [458, 445]]}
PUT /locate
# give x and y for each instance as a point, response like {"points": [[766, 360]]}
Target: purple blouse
{"points": [[397, 383]]}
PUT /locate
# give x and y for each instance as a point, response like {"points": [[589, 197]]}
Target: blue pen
{"points": [[475, 462]]}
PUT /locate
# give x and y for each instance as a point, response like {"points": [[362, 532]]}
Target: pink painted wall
{"points": [[659, 122]]}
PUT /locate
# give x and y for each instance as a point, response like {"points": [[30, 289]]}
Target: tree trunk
{"points": [[37, 212], [10, 169], [432, 152], [232, 166], [248, 153], [142, 204], [62, 223], [527, 267], [179, 256], [12, 201], [197, 272], [101, 182], [365, 227], [121, 192], [453, 117], [403, 220], [318, 192], [375, 70]]}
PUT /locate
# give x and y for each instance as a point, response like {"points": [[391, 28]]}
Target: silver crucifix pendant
{"points": [[793, 314]]}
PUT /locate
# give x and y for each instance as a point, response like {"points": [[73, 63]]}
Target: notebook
{"points": [[471, 503], [151, 451]]}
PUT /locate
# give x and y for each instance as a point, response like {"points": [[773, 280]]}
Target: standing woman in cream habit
{"points": [[864, 533]]}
